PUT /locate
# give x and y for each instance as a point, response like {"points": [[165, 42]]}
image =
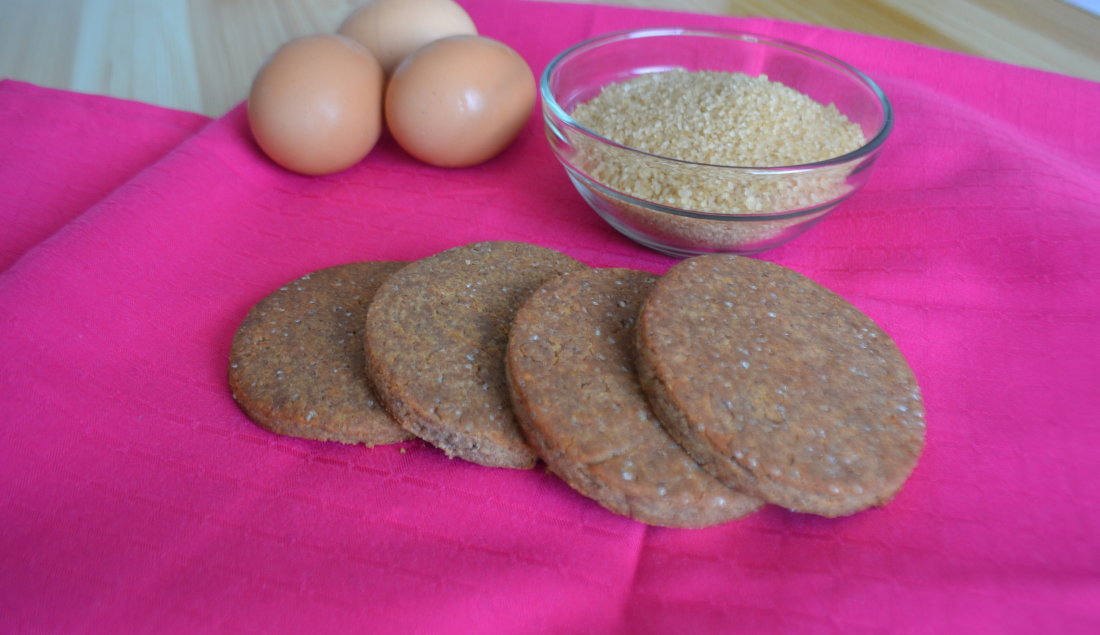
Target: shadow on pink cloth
{"points": [[135, 496]]}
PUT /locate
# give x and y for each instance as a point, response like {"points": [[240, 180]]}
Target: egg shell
{"points": [[394, 29], [459, 101], [316, 105]]}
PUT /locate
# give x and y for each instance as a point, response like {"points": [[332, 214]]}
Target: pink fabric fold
{"points": [[136, 497], [61, 153]]}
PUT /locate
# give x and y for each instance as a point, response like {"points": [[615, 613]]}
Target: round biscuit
{"points": [[778, 386], [577, 398], [296, 364], [436, 339]]}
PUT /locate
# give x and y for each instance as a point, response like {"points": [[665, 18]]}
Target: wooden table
{"points": [[200, 55]]}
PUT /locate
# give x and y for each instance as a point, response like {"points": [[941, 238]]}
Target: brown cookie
{"points": [[778, 386], [296, 365], [436, 338], [577, 398]]}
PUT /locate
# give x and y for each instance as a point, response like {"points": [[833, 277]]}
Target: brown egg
{"points": [[459, 101], [316, 104], [394, 29]]}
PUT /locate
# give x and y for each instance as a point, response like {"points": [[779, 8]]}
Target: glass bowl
{"points": [[788, 200]]}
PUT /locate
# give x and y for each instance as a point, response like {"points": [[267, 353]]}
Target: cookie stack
{"points": [[686, 400]]}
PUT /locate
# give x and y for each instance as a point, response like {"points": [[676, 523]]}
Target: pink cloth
{"points": [[135, 496], [61, 153]]}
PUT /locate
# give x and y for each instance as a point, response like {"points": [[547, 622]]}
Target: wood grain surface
{"points": [[200, 55]]}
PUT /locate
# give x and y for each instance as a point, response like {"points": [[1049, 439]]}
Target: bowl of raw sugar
{"points": [[697, 141]]}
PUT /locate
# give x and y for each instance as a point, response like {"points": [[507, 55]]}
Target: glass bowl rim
{"points": [[550, 102]]}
